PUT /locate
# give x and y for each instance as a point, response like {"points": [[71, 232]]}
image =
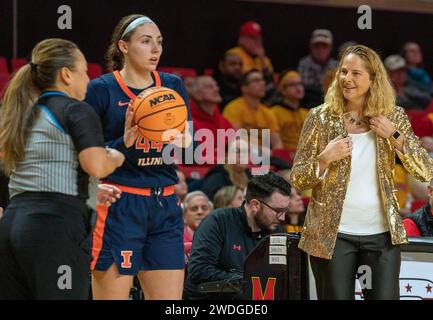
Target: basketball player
{"points": [[142, 233], [49, 137]]}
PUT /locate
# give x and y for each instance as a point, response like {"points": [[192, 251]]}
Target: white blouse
{"points": [[362, 208]]}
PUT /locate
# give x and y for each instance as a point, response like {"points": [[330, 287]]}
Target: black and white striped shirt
{"points": [[63, 128]]}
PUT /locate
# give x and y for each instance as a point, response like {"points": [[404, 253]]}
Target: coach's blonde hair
{"points": [[380, 99], [17, 113]]}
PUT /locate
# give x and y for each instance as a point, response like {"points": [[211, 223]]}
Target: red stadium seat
{"points": [[18, 63], [421, 124], [4, 68], [285, 154], [430, 107], [4, 78], [181, 72], [194, 171], [94, 70], [415, 114]]}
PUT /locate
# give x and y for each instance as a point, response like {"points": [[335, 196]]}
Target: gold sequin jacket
{"points": [[328, 192]]}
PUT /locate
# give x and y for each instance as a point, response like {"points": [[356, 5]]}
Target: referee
{"points": [[51, 142]]}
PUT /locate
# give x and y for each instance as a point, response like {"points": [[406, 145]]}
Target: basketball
{"points": [[160, 113]]}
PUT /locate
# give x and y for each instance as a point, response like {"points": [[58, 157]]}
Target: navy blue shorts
{"points": [[141, 231]]}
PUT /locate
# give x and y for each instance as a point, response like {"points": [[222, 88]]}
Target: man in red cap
{"points": [[250, 48], [252, 53]]}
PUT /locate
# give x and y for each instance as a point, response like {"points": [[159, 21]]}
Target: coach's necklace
{"points": [[353, 120]]}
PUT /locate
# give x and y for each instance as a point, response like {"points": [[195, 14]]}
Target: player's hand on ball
{"points": [[131, 129], [107, 194]]}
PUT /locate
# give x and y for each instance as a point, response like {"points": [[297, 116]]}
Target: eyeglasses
{"points": [[279, 212]]}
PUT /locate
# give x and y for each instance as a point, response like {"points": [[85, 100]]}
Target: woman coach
{"points": [[346, 154]]}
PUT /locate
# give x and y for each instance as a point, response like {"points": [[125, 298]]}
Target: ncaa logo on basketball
{"points": [[160, 99]]}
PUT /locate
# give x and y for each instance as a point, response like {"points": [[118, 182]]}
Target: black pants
{"points": [[42, 248], [335, 278]]}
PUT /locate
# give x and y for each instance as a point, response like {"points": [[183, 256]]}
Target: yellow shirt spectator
{"points": [[242, 116], [290, 122], [292, 229], [249, 62]]}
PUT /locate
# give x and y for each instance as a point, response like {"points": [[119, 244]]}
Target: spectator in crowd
{"points": [[251, 50], [228, 76], [181, 188], [407, 95], [205, 111], [227, 174], [314, 66], [420, 223], [290, 116], [196, 207], [296, 214], [252, 53], [417, 75], [227, 236], [188, 82], [329, 75], [248, 112], [229, 197]]}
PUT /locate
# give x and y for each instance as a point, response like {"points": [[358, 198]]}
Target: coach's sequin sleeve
{"points": [[416, 160], [304, 172]]}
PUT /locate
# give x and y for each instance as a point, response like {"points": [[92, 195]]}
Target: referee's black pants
{"points": [[42, 248], [335, 278]]}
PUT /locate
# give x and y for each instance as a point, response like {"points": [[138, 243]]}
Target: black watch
{"points": [[396, 134]]}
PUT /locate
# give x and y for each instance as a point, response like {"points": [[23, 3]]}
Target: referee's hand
{"points": [[107, 194], [1, 212]]}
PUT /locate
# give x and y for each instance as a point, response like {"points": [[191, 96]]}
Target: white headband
{"points": [[136, 23]]}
